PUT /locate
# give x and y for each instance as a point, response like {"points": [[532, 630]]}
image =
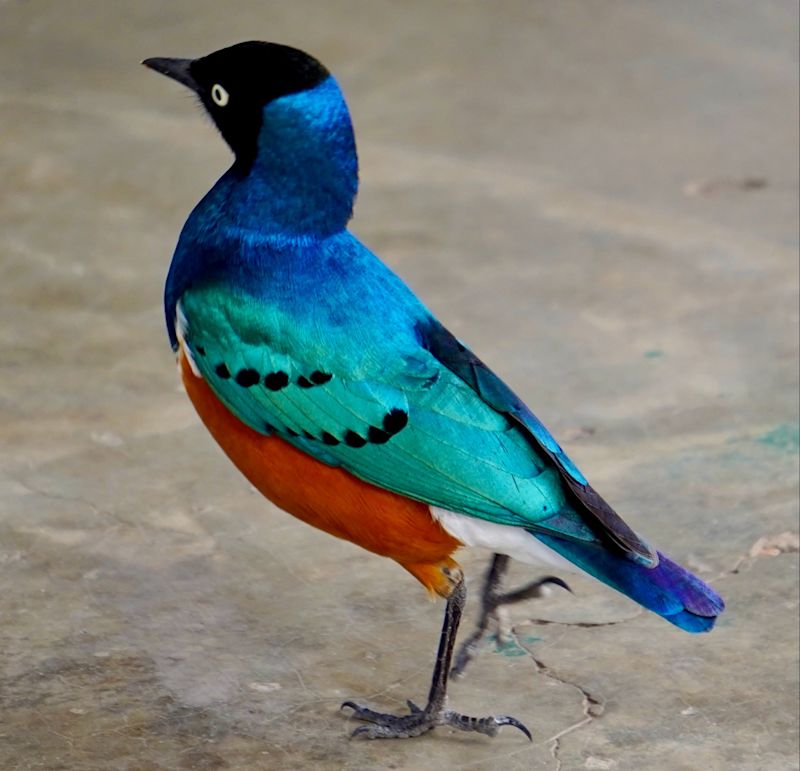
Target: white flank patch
{"points": [[503, 539], [181, 324]]}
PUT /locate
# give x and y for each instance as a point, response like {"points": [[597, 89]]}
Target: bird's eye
{"points": [[219, 95]]}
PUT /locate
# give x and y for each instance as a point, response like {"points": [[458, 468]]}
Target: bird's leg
{"points": [[418, 721], [493, 613]]}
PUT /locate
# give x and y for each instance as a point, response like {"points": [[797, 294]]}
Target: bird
{"points": [[347, 403]]}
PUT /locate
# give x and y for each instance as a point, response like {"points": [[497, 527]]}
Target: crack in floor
{"points": [[585, 624], [593, 705]]}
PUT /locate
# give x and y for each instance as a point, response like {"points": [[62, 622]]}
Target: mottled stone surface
{"points": [[600, 197]]}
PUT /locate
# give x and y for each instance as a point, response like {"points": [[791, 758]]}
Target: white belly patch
{"points": [[504, 539]]}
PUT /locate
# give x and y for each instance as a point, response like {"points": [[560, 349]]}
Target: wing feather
{"points": [[431, 422]]}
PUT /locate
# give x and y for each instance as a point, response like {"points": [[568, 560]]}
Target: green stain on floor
{"points": [[785, 437], [511, 647], [655, 353]]}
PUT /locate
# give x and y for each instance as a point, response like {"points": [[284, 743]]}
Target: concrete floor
{"points": [[600, 197]]}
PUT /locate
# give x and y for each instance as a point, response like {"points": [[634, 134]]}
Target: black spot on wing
{"points": [[314, 379], [378, 435], [201, 350], [247, 377], [352, 439], [274, 381], [320, 378], [330, 439], [395, 421], [222, 371]]}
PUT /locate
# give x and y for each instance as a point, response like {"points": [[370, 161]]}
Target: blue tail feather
{"points": [[667, 589]]}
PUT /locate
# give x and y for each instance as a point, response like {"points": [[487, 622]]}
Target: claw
{"points": [[415, 710], [512, 721], [368, 715], [361, 730], [557, 581]]}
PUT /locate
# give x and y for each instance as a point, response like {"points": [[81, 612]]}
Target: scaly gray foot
{"points": [[418, 721]]}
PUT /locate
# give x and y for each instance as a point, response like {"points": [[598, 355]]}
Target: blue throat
{"points": [[304, 179], [300, 189]]}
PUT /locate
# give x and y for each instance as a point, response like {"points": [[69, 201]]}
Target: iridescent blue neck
{"points": [[304, 180]]}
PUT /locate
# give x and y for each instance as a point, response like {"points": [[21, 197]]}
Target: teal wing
{"points": [[395, 415]]}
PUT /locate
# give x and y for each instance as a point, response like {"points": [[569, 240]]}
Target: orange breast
{"points": [[330, 498]]}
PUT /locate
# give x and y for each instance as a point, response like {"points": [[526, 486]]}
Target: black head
{"points": [[234, 84]]}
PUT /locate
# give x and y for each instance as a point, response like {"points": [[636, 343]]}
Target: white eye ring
{"points": [[219, 95]]}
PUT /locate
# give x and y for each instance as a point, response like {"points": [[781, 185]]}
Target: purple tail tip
{"points": [[667, 589]]}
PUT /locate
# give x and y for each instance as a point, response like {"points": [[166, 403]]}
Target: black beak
{"points": [[177, 69]]}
